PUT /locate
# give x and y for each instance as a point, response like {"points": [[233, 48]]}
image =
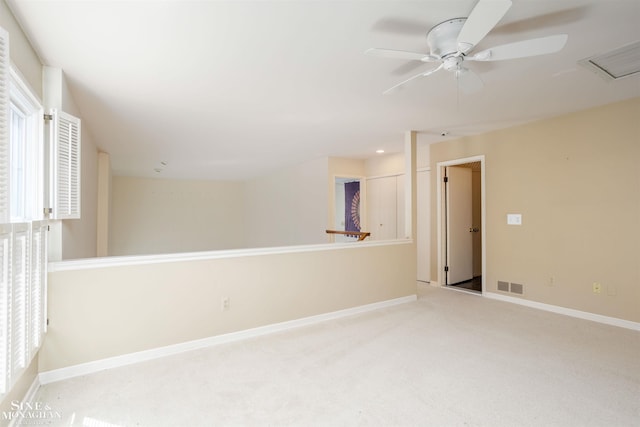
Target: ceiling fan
{"points": [[451, 43]]}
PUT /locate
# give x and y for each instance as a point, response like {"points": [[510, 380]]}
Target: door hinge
{"points": [[446, 268], [446, 179], [48, 117]]}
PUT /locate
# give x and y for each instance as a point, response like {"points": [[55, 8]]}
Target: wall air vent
{"points": [[616, 64], [517, 288], [503, 286]]}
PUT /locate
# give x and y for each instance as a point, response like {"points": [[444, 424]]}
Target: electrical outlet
{"points": [[551, 281], [597, 288], [226, 303]]}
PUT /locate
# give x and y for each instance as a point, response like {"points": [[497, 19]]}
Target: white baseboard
{"points": [[141, 356], [614, 321]]}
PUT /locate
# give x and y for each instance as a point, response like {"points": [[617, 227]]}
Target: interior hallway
{"points": [[448, 359]]}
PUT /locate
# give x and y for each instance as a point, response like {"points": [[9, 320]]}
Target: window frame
{"points": [[22, 100]]}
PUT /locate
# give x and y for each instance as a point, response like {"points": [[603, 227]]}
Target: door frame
{"points": [[441, 218]]}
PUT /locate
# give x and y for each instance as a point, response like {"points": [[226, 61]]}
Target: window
{"points": [[4, 127], [26, 153], [23, 240]]}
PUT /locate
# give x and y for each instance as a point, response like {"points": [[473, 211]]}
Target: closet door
{"points": [[382, 207]]}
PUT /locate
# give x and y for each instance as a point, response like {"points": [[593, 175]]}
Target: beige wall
{"points": [[281, 209], [103, 208], [104, 312], [153, 216], [385, 164], [23, 56], [79, 236], [422, 152], [288, 207], [575, 180]]}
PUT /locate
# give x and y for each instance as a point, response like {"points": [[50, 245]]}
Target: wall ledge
{"points": [[61, 374], [118, 261]]}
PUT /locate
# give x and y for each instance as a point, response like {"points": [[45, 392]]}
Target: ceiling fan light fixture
{"points": [[615, 64]]}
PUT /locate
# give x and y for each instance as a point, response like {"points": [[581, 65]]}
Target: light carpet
{"points": [[448, 359]]}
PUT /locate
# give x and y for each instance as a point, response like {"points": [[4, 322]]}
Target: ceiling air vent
{"points": [[615, 64]]}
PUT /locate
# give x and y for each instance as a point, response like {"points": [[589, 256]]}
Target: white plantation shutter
{"points": [[23, 294], [66, 166], [37, 286], [23, 246], [18, 298], [5, 286], [4, 127]]}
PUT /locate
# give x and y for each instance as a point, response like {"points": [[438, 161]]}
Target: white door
{"points": [[459, 217], [382, 207]]}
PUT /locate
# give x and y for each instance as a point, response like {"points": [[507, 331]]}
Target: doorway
{"points": [[461, 224], [347, 207]]}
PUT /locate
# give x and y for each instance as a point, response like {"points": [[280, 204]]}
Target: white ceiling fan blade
{"points": [[401, 54], [482, 19], [522, 49], [468, 81], [426, 73]]}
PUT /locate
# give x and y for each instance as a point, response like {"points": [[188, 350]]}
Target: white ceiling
{"points": [[234, 89]]}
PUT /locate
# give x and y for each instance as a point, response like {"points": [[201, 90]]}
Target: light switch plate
{"points": [[514, 219]]}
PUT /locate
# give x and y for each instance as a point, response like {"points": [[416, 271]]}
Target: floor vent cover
{"points": [[503, 286]]}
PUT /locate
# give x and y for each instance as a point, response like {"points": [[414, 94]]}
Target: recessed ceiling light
{"points": [[379, 151]]}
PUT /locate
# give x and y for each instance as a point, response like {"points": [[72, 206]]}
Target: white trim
{"points": [[385, 176], [425, 169], [117, 261], [141, 356], [613, 321], [439, 215], [585, 315]]}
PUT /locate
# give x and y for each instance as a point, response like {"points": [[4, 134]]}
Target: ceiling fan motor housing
{"points": [[443, 38], [452, 63]]}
